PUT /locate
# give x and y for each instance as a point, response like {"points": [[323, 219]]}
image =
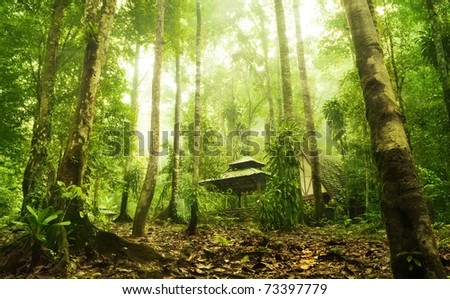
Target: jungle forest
{"points": [[225, 139]]}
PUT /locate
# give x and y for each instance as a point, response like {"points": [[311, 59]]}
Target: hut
{"points": [[244, 175]]}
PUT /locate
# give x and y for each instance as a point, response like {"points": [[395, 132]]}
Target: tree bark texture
{"points": [[405, 213], [73, 163], [198, 102], [284, 61], [312, 150], [442, 64], [37, 173], [176, 145], [398, 80], [192, 229], [148, 188]]}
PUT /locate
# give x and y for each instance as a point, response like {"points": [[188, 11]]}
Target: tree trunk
{"points": [[192, 229], [397, 79], [265, 46], [311, 142], [284, 61], [148, 188], [37, 173], [279, 89], [176, 146], [442, 64], [73, 164], [406, 217], [124, 216]]}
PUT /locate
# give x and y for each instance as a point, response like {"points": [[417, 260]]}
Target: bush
{"points": [[281, 206]]}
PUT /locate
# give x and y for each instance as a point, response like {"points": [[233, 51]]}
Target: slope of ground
{"points": [[243, 251]]}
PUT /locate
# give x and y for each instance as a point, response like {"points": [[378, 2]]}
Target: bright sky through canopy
{"points": [[221, 55]]}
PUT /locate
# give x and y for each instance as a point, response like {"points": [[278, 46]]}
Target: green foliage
{"points": [[436, 190], [413, 258], [70, 192], [10, 187], [428, 48], [281, 206], [222, 241], [40, 226]]}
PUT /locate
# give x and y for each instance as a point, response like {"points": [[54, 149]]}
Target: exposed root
{"points": [[123, 218], [109, 243], [21, 256]]}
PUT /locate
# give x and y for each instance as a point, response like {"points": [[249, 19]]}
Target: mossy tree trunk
{"points": [[192, 228], [148, 188], [284, 61], [72, 167], [37, 176], [311, 142], [176, 145], [403, 205]]}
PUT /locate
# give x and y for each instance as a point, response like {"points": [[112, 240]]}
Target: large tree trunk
{"points": [[73, 163], [176, 145], [124, 216], [284, 61], [406, 217], [398, 80], [192, 229], [37, 173], [148, 188], [442, 64], [311, 142]]}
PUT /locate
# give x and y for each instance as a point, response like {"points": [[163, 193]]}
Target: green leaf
{"points": [[32, 211], [60, 184], [65, 223], [411, 267], [409, 258], [50, 218], [41, 238], [19, 223], [417, 262], [43, 214], [245, 259]]}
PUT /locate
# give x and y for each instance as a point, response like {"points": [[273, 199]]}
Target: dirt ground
{"points": [[243, 251]]}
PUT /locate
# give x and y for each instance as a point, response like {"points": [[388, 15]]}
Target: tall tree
{"points": [[176, 144], [284, 61], [442, 65], [192, 229], [265, 47], [148, 188], [37, 176], [311, 141], [72, 167], [406, 217], [129, 174]]}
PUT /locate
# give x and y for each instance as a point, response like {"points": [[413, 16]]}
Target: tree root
{"points": [[123, 218], [18, 257], [109, 243]]}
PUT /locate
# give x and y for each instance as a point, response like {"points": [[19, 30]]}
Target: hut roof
{"points": [[246, 162], [240, 181], [244, 175]]}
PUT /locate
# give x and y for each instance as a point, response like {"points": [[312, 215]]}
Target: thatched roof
{"points": [[244, 175], [246, 162]]}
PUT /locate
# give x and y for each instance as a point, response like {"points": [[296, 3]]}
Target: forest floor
{"points": [[243, 251]]}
